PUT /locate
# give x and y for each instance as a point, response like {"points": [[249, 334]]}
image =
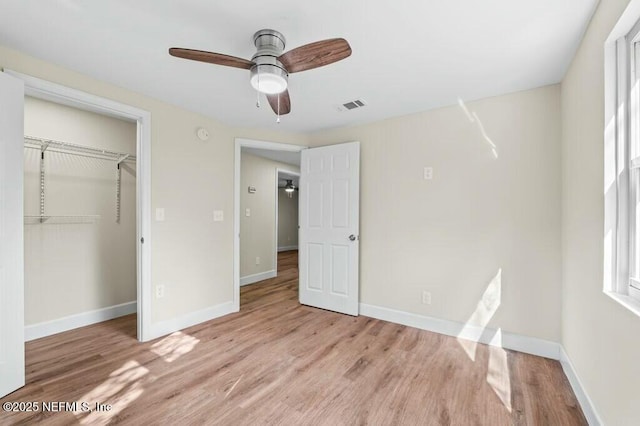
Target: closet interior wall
{"points": [[76, 266]]}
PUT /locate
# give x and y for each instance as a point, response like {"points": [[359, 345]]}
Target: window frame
{"points": [[631, 156], [622, 161]]}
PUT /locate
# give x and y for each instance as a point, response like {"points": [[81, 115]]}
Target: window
{"points": [[631, 154], [622, 162]]}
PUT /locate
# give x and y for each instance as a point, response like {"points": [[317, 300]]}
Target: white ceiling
{"points": [[408, 56]]}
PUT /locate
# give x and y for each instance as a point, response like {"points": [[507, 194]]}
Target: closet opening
{"points": [[80, 217]]}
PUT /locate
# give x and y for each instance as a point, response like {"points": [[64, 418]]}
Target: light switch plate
{"points": [[247, 212], [428, 173], [218, 215], [160, 215]]}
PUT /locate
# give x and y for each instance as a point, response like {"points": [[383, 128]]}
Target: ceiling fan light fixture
{"points": [[269, 79], [289, 186], [270, 66]]}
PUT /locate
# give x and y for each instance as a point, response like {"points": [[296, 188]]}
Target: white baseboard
{"points": [[287, 248], [250, 279], [47, 328], [163, 328], [585, 402], [516, 342]]}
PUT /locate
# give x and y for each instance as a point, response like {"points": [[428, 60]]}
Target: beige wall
{"points": [[191, 254], [287, 219], [480, 217], [599, 335], [257, 232], [73, 268]]}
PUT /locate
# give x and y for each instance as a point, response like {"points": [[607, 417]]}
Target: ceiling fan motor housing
{"points": [[268, 75]]}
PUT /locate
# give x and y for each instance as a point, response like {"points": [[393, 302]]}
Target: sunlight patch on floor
{"points": [[485, 309], [498, 370], [121, 388], [174, 346]]}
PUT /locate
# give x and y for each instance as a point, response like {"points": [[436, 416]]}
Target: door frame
{"points": [[46, 90], [239, 144], [278, 171]]}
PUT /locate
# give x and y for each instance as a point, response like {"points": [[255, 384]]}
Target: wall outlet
{"points": [[160, 214], [218, 215], [428, 173], [159, 291], [257, 260], [426, 297]]}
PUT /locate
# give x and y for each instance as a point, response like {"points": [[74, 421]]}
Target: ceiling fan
{"points": [[289, 186], [270, 68]]}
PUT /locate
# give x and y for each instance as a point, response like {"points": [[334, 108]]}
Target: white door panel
{"points": [[11, 234], [329, 215]]}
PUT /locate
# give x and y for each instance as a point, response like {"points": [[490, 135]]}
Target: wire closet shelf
{"points": [[71, 148], [50, 145]]}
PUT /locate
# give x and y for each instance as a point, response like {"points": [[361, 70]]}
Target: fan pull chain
{"points": [[258, 93], [278, 119]]}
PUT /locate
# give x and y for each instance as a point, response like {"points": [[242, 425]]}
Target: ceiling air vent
{"points": [[348, 106]]}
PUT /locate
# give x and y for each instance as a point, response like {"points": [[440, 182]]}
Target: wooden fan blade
{"points": [[285, 102], [211, 57], [315, 55]]}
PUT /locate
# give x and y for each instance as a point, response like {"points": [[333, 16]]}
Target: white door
{"points": [[11, 234], [329, 223]]}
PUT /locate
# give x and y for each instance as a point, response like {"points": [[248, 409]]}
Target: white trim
{"points": [[629, 302], [163, 328], [516, 342], [47, 328], [250, 279], [626, 21], [287, 248], [44, 89], [239, 144], [588, 408], [65, 95]]}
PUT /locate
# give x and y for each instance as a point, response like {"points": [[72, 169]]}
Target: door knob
{"points": [[352, 237]]}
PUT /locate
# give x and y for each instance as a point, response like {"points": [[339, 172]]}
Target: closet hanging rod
{"points": [[74, 149]]}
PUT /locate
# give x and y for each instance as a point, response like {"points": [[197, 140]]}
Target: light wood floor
{"points": [[277, 362]]}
